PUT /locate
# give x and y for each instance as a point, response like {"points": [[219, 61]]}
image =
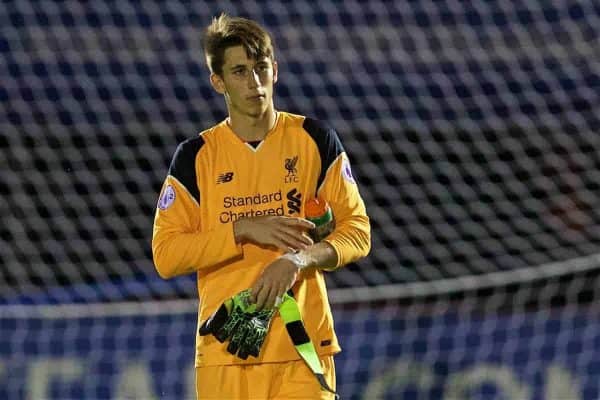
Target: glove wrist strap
{"points": [[290, 313]]}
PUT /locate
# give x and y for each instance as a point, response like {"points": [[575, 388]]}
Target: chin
{"points": [[257, 113], [254, 114]]}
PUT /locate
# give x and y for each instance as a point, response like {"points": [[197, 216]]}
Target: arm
{"points": [[320, 255], [351, 239], [179, 244]]}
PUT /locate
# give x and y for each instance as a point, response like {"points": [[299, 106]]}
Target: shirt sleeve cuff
{"points": [[338, 254]]}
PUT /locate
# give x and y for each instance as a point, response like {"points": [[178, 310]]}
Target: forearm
{"points": [[351, 240], [320, 255], [177, 253]]}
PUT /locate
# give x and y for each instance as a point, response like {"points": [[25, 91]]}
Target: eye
{"points": [[262, 67]]}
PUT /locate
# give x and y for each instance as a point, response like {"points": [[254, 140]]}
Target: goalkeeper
{"points": [[231, 210]]}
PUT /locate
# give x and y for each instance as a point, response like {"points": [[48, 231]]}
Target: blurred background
{"points": [[473, 132]]}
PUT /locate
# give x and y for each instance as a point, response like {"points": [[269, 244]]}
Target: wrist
{"points": [[300, 259]]}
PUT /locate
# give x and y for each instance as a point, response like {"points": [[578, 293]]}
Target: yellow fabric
{"points": [[235, 180], [273, 381]]}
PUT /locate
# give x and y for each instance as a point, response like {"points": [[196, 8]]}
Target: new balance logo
{"points": [[294, 200], [225, 177]]}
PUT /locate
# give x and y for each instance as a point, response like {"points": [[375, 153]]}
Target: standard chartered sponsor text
{"points": [[258, 198], [253, 200]]}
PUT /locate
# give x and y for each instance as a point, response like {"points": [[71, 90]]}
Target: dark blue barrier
{"points": [[389, 353]]}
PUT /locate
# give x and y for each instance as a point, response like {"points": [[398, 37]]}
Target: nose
{"points": [[253, 79]]}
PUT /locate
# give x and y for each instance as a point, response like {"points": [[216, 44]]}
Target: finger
{"points": [[262, 297], [269, 303], [286, 247], [281, 246], [278, 301], [294, 238], [271, 298], [256, 290], [284, 242], [299, 222], [307, 239], [279, 297]]}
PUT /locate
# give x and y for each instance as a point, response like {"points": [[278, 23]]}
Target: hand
{"points": [[276, 279], [287, 234]]}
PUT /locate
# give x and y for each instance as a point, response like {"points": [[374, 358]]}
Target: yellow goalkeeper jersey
{"points": [[215, 179]]}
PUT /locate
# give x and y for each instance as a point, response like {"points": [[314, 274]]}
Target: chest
{"points": [[268, 180]]}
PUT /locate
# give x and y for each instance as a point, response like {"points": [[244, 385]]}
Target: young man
{"points": [[231, 210]]}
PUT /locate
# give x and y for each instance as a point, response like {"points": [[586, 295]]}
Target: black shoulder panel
{"points": [[327, 141], [183, 165]]}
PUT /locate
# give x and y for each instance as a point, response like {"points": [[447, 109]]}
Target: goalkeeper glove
{"points": [[238, 321]]}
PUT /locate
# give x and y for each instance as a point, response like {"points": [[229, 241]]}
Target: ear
{"points": [[217, 83], [275, 72]]}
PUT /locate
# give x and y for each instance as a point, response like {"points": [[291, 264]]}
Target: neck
{"points": [[250, 128]]}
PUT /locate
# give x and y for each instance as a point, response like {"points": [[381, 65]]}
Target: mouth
{"points": [[256, 97]]}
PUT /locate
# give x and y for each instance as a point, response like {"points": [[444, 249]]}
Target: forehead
{"points": [[236, 55]]}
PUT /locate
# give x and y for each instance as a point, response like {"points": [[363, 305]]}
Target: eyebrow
{"points": [[263, 61]]}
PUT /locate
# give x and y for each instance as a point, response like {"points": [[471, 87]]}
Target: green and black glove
{"points": [[238, 321]]}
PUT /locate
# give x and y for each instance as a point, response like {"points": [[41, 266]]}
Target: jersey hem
{"points": [[252, 362]]}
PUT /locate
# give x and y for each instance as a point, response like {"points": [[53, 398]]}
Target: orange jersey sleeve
{"points": [[351, 238], [179, 244]]}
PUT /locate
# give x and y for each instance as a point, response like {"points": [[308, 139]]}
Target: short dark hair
{"points": [[226, 31]]}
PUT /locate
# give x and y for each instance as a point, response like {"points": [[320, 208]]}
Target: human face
{"points": [[247, 84]]}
